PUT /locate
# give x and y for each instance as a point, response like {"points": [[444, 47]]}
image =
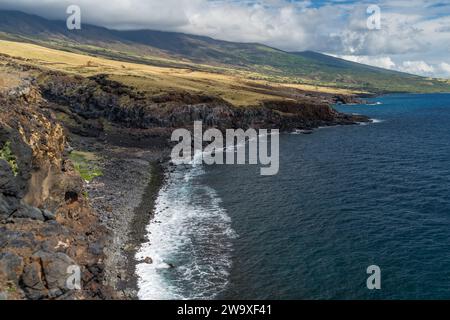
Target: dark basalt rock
{"points": [[49, 215], [148, 260], [32, 279], [28, 212], [54, 268], [8, 184], [46, 275], [99, 97], [347, 99], [8, 205], [11, 265]]}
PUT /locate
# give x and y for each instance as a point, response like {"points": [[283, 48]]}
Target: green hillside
{"points": [[177, 49]]}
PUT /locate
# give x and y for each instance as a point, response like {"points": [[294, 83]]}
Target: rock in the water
{"points": [[148, 260]]}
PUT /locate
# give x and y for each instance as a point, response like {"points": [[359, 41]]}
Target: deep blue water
{"points": [[345, 198]]}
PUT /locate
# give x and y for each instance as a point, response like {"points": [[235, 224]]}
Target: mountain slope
{"points": [[177, 49]]}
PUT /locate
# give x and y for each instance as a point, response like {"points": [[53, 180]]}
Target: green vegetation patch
{"points": [[86, 164], [7, 155]]}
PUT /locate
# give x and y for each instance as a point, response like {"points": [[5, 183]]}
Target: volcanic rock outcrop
{"points": [[46, 226]]}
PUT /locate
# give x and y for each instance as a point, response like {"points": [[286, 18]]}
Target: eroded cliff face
{"points": [[46, 226], [87, 101]]}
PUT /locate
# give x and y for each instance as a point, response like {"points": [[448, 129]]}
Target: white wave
{"points": [[190, 244], [372, 122], [301, 131]]}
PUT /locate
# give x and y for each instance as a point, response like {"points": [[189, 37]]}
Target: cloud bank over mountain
{"points": [[414, 34]]}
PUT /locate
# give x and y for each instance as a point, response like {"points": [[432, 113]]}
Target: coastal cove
{"points": [[346, 197]]}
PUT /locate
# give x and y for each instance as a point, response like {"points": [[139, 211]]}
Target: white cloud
{"points": [[334, 27], [381, 62], [417, 67], [445, 67], [413, 31], [420, 67]]}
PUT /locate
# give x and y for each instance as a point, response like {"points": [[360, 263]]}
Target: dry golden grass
{"points": [[308, 87], [8, 80], [238, 88]]}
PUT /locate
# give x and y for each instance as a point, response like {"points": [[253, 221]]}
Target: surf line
{"points": [[189, 149]]}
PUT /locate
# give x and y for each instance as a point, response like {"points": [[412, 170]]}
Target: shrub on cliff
{"points": [[7, 155]]}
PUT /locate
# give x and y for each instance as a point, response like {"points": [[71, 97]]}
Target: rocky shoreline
{"points": [[125, 211], [52, 219]]}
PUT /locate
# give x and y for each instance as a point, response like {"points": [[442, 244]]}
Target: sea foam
{"points": [[189, 241]]}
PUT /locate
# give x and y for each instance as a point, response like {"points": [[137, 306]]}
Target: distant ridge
{"points": [[277, 65]]}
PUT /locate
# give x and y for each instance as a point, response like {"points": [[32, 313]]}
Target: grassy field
{"points": [[238, 87], [8, 80]]}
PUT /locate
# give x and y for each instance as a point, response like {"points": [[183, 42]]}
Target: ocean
{"points": [[345, 198]]}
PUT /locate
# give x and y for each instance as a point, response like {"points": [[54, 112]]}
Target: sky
{"points": [[413, 35]]}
